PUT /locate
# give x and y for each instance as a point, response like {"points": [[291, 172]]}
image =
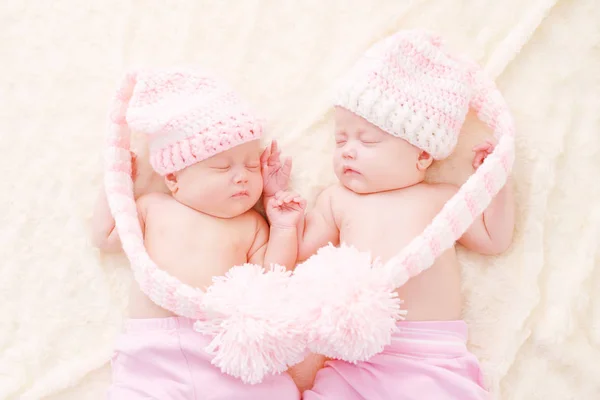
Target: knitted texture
{"points": [[188, 116], [410, 87]]}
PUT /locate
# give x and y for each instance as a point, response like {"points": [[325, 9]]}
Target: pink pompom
{"points": [[351, 308], [253, 334]]}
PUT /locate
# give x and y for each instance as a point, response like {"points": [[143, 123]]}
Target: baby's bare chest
{"points": [[193, 246], [384, 224]]}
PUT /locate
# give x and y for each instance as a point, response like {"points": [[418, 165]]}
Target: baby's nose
{"points": [[349, 153], [241, 177]]}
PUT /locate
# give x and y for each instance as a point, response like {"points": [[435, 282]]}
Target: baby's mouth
{"points": [[242, 193], [350, 171]]}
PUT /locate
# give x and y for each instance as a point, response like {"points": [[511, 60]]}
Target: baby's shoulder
{"points": [[330, 198], [440, 192], [334, 193], [251, 220], [154, 201]]}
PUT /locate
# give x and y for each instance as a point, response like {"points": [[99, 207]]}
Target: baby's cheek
{"points": [[256, 183], [337, 161], [212, 185]]}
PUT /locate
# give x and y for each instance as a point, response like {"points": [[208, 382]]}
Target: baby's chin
{"points": [[362, 185], [356, 184], [225, 210]]}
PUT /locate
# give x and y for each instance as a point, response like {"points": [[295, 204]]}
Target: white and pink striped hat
{"points": [[188, 115], [410, 86]]}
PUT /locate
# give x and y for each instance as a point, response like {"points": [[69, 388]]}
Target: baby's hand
{"points": [[276, 176], [285, 209], [482, 151]]}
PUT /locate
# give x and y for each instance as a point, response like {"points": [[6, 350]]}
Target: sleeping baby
{"points": [[400, 108], [206, 146]]}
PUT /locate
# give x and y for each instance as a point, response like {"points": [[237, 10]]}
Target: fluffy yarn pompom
{"points": [[253, 334], [352, 309]]}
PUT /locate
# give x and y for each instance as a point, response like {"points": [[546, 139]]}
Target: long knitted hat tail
{"points": [[163, 289], [475, 194]]}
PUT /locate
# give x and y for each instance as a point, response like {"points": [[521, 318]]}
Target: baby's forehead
{"points": [[360, 129], [348, 122]]}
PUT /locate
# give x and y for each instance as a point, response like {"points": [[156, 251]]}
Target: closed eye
{"points": [[253, 167], [221, 168], [370, 142]]}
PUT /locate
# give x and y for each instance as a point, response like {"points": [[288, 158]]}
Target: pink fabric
{"points": [[163, 358], [426, 360]]}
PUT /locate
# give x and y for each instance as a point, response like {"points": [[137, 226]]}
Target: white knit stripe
{"points": [[119, 182]]}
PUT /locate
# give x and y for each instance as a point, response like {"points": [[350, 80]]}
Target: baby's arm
{"points": [[278, 244], [145, 182], [492, 232], [104, 234], [273, 245], [318, 228]]}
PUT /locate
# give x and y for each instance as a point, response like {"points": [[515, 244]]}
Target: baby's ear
{"points": [[424, 161], [171, 182]]}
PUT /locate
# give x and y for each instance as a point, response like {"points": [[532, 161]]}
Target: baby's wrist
{"points": [[267, 195], [283, 228]]}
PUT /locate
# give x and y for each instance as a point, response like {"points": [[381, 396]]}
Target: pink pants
{"points": [[163, 359], [425, 361]]}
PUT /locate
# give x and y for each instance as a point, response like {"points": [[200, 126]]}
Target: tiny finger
{"points": [[287, 166], [264, 156]]}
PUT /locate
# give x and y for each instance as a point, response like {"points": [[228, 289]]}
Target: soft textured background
{"points": [[534, 313]]}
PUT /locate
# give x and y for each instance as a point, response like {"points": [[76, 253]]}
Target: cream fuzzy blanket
{"points": [[534, 313]]}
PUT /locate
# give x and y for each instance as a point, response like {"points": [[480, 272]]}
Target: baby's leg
{"points": [[304, 373]]}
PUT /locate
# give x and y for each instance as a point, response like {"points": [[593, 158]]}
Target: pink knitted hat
{"points": [[188, 116], [411, 87]]}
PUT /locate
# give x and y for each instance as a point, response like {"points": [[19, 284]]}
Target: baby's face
{"points": [[225, 185], [369, 160]]}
